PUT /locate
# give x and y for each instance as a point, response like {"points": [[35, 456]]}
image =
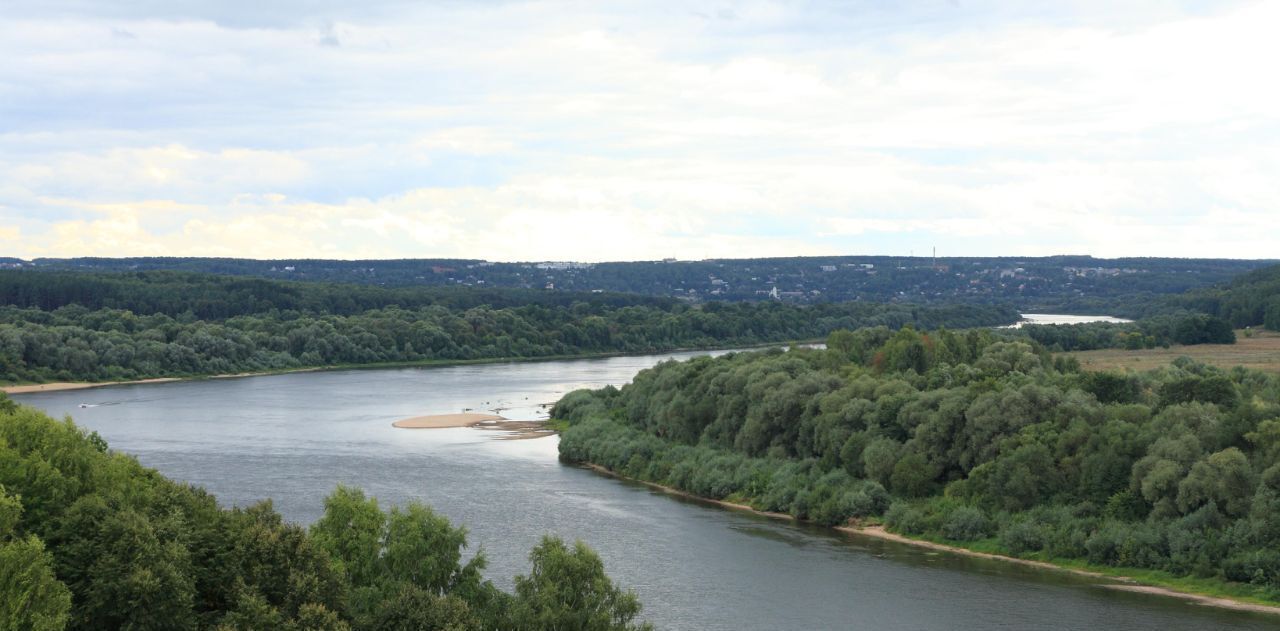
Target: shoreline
{"points": [[58, 386], [1119, 583], [441, 421], [515, 429]]}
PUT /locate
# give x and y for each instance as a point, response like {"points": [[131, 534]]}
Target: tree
{"points": [[567, 590], [414, 609], [126, 570], [31, 597], [1224, 478], [351, 531], [424, 550]]}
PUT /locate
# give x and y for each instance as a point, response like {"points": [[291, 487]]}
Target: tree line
{"points": [[1071, 284], [966, 436], [126, 326], [90, 539], [1251, 299], [1182, 327]]}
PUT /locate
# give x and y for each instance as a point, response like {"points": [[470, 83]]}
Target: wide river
{"points": [[292, 438]]}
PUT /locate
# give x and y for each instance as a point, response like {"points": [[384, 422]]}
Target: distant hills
{"points": [[1078, 284]]}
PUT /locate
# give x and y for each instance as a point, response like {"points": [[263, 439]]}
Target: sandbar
{"points": [[437, 421]]}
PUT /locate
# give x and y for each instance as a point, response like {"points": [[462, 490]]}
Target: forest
{"points": [[90, 539], [967, 437], [1251, 299], [1182, 327], [87, 326], [1127, 287]]}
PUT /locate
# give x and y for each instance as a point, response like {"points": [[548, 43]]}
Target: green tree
{"points": [[31, 597], [567, 590], [424, 550], [351, 532]]}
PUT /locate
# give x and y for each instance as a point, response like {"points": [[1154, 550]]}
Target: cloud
{"points": [[528, 130]]}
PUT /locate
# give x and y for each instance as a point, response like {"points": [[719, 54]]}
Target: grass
{"points": [[1255, 349], [1205, 586], [1214, 587]]}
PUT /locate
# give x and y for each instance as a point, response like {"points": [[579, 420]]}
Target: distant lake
{"points": [[1058, 318], [292, 438]]}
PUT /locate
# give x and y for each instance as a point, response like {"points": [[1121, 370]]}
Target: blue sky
{"points": [[638, 130]]}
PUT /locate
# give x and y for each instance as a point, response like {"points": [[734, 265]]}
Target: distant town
{"points": [[1054, 281]]}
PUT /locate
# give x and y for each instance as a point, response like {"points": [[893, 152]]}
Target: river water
{"points": [[292, 438], [1057, 318]]}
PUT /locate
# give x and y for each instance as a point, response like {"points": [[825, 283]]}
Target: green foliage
{"points": [[967, 523], [1176, 327], [89, 539], [1250, 299], [31, 597], [76, 326], [567, 590], [1176, 470], [1053, 284]]}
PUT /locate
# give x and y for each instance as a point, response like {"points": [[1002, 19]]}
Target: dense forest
{"points": [[968, 437], [1183, 328], [1252, 299], [81, 326], [90, 539], [1127, 287]]}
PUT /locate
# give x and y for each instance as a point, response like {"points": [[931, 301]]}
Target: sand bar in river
{"points": [[437, 421]]}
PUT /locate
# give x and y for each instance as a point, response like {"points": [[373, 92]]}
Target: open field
{"points": [[1260, 351]]}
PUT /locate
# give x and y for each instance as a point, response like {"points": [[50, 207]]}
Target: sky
{"points": [[590, 131]]}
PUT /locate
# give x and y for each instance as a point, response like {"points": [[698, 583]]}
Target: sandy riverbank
{"points": [[878, 532], [1119, 583], [84, 385], [438, 421], [68, 385]]}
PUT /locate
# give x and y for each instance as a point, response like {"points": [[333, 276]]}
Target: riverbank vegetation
{"points": [[970, 438], [107, 327], [1249, 300], [89, 539], [1162, 331]]}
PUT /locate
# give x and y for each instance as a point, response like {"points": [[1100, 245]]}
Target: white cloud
{"points": [[532, 130]]}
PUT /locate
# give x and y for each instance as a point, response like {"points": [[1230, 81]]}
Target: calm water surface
{"points": [[1058, 318], [292, 438]]}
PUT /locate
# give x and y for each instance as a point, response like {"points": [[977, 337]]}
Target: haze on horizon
{"points": [[637, 130]]}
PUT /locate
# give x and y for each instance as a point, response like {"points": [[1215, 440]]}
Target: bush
{"points": [[1023, 536], [967, 523], [1259, 567], [905, 518]]}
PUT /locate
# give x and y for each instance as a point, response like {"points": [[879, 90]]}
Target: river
{"points": [[1058, 318], [293, 437]]}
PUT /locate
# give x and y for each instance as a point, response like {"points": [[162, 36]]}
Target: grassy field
{"points": [[1260, 351]]}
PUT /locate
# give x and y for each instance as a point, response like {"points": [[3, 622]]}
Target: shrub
{"points": [[967, 523], [905, 518], [1022, 536]]}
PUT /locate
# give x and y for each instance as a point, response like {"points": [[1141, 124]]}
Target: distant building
{"points": [[827, 268]]}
